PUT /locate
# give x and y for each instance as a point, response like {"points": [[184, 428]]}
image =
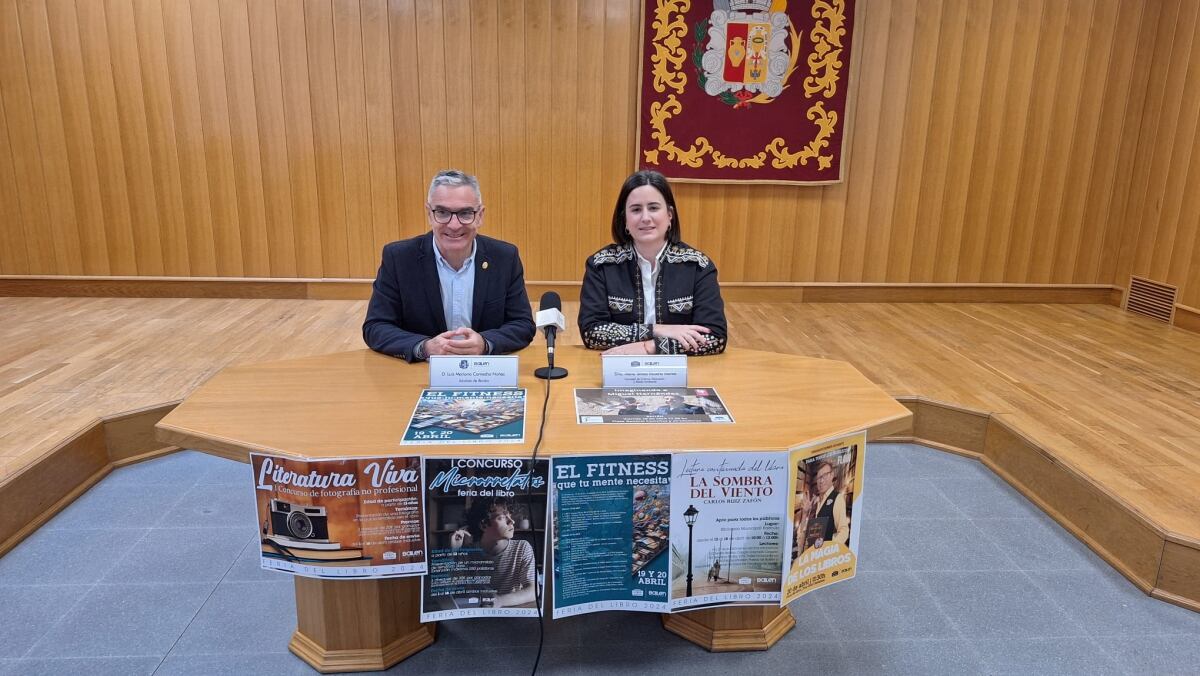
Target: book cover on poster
{"points": [[611, 523], [485, 416], [340, 517], [649, 406], [486, 529], [826, 507], [728, 516]]}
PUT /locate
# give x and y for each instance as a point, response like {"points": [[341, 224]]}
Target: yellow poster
{"points": [[825, 502]]}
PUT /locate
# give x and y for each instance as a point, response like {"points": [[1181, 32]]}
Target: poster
{"points": [[340, 517], [649, 405], [728, 517], [826, 507], [611, 533], [468, 417], [486, 520]]}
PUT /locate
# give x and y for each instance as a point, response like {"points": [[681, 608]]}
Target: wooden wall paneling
{"points": [[1063, 118], [806, 225], [1156, 41], [270, 116], [1161, 247], [1116, 98], [300, 138], [13, 254], [218, 147], [412, 182], [352, 120], [70, 79], [779, 221], [564, 127], [22, 130], [381, 143], [244, 137], [981, 187], [592, 187], [458, 87], [736, 226], [1036, 138], [327, 137], [873, 34], [1015, 107], [51, 137], [432, 83], [540, 90], [189, 140], [1144, 38], [506, 196], [893, 122], [1167, 131], [135, 136], [963, 141], [161, 135], [484, 112], [913, 139]]}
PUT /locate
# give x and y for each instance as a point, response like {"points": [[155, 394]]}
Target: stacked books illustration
{"points": [[312, 552]]}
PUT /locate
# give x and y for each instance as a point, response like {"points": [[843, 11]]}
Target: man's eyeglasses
{"points": [[465, 216]]}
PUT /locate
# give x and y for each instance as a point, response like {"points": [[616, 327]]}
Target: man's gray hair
{"points": [[454, 178]]}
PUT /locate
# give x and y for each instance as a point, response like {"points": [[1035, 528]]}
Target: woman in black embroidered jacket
{"points": [[648, 292]]}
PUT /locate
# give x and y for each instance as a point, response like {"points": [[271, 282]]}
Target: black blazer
{"points": [[611, 302], [406, 299]]}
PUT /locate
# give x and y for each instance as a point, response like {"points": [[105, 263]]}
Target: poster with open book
{"points": [[340, 517]]}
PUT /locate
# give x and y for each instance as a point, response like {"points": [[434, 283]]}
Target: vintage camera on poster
{"points": [[299, 522]]}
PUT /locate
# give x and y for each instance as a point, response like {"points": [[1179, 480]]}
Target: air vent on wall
{"points": [[1150, 298]]}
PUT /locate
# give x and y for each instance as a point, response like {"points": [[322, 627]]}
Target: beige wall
{"points": [[991, 140]]}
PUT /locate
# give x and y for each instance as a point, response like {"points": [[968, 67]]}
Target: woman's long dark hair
{"points": [[637, 180]]}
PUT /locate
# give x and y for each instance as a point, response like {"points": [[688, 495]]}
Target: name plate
{"points": [[471, 372], [656, 370]]}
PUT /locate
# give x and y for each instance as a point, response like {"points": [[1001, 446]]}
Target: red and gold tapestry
{"points": [[744, 90]]}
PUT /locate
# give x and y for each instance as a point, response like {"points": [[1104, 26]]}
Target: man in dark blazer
{"points": [[450, 291]]}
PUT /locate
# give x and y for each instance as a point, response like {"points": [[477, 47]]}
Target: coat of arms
{"points": [[747, 58]]}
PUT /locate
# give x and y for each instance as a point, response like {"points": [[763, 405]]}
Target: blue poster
{"points": [[611, 533], [468, 417]]}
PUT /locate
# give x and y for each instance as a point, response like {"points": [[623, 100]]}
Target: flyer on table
{"points": [[486, 521], [484, 416], [340, 517], [826, 507], [611, 533], [728, 521], [649, 405]]}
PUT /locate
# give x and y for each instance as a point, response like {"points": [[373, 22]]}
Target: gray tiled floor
{"points": [[153, 572]]}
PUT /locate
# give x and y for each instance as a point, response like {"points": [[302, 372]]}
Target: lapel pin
{"points": [[485, 265]]}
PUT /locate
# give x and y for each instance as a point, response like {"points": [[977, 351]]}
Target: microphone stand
{"points": [[550, 372]]}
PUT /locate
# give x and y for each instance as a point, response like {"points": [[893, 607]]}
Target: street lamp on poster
{"points": [[690, 517]]}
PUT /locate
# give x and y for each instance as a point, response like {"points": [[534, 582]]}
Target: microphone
{"points": [[550, 318]]}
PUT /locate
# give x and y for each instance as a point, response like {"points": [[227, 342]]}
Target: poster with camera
{"points": [[486, 533], [826, 508], [728, 516], [611, 533], [340, 517], [649, 405]]}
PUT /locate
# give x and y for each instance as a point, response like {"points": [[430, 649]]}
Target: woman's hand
{"points": [[689, 335], [640, 347]]}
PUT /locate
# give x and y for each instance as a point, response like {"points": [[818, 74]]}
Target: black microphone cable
{"points": [[537, 588]]}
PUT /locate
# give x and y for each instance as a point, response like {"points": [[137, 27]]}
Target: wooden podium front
{"points": [[358, 403]]}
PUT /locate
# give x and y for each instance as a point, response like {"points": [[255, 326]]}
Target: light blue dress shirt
{"points": [[458, 289]]}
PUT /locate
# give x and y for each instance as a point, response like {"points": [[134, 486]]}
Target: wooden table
{"points": [[358, 403]]}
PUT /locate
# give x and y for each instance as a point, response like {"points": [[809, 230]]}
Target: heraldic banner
{"points": [[744, 90]]}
